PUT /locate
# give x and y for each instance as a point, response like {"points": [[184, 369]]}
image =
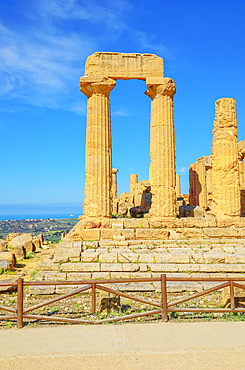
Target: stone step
{"points": [[172, 286]]}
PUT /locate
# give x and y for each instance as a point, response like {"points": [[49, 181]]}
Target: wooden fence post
{"points": [[164, 298], [93, 298], [20, 304], [232, 299]]}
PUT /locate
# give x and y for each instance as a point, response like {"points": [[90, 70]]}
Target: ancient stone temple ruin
{"points": [[151, 230], [101, 72]]}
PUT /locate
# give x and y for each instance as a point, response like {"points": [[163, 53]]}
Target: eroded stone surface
{"points": [[124, 65], [225, 168]]}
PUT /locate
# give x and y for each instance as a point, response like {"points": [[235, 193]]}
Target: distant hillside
{"points": [[50, 228]]}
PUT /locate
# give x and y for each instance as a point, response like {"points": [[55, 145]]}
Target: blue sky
{"points": [[43, 48]]}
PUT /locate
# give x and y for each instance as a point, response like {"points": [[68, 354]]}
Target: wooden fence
{"points": [[162, 307]]}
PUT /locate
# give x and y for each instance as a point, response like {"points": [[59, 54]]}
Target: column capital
{"points": [[96, 85], [114, 170], [160, 86]]}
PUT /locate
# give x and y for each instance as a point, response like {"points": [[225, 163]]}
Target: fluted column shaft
{"points": [[162, 147], [178, 188], [198, 185], [225, 168], [133, 181], [98, 166]]}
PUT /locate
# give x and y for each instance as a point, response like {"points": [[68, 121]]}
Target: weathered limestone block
{"points": [[98, 166], [111, 267], [120, 233], [101, 275], [3, 245], [151, 234], [116, 223], [162, 147], [79, 267], [36, 242], [121, 275], [85, 234], [47, 265], [161, 267], [130, 267], [235, 258], [24, 241], [225, 168], [78, 276], [239, 295], [189, 233], [11, 236], [20, 252], [89, 256], [214, 257], [108, 257], [134, 223], [221, 232], [146, 258], [45, 289], [7, 261], [124, 65], [65, 254], [128, 257], [200, 222], [50, 276]]}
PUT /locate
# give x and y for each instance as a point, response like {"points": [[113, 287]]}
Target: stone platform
{"points": [[77, 260], [157, 229]]}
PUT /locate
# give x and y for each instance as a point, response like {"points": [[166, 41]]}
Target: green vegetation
{"points": [[52, 229]]}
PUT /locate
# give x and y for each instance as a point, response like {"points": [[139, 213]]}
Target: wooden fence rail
{"points": [[162, 307]]}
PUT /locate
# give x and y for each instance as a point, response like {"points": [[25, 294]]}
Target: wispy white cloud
{"points": [[183, 169], [148, 42], [122, 112], [41, 62]]}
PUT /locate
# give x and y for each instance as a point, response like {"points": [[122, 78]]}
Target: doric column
{"points": [[198, 186], [225, 169], [98, 166], [114, 190], [162, 147], [133, 181], [240, 165], [178, 188]]}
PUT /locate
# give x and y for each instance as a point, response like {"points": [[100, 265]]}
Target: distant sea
{"points": [[37, 216], [39, 211]]}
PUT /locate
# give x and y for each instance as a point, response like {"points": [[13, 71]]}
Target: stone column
{"points": [[240, 165], [198, 185], [114, 190], [226, 200], [162, 147], [98, 166], [178, 188], [133, 181]]}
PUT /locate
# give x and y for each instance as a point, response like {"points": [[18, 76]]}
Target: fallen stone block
{"points": [[7, 261], [8, 288], [3, 245], [239, 295]]}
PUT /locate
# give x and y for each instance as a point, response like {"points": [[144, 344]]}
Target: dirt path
{"points": [[169, 346]]}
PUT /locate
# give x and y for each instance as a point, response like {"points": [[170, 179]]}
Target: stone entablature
{"points": [[124, 66]]}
